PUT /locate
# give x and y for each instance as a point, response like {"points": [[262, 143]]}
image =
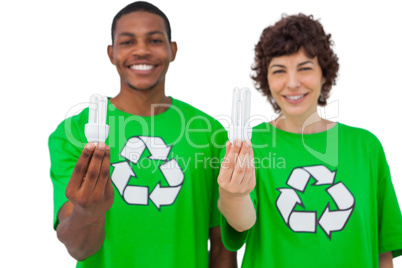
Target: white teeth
{"points": [[295, 97], [142, 67]]}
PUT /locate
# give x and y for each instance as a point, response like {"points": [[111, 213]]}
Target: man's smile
{"points": [[142, 67]]}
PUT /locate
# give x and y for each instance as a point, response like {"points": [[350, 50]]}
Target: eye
{"points": [[278, 71], [156, 41], [125, 43], [305, 69]]}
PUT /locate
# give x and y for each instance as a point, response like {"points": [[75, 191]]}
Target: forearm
{"points": [[238, 211], [385, 260], [219, 256], [222, 258], [82, 236]]}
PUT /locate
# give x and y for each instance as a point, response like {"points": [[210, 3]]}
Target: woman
{"points": [[321, 193]]}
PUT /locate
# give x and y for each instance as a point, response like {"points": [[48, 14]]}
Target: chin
{"points": [[296, 113], [142, 88]]}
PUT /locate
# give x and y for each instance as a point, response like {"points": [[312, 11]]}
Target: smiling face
{"points": [[141, 51], [295, 82]]}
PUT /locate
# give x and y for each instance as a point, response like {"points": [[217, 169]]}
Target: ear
{"points": [[173, 50], [110, 53]]}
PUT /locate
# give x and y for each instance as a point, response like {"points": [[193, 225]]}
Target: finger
{"points": [[81, 166], [228, 146], [228, 163], [225, 161], [248, 174], [237, 148], [104, 173], [109, 190], [251, 181], [225, 158], [92, 175], [242, 164]]}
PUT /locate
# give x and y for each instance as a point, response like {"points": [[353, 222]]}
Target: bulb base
{"points": [[96, 132], [239, 133]]}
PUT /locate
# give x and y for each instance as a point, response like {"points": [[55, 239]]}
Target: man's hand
{"points": [[236, 180], [90, 194], [90, 189]]}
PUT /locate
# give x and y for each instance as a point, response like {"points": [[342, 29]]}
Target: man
{"points": [[149, 198]]}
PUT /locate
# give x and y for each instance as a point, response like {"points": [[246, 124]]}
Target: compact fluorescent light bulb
{"points": [[96, 130], [240, 126]]}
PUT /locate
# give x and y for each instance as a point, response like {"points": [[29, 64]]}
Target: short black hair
{"points": [[141, 6]]}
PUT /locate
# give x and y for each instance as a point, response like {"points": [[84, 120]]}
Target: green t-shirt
{"points": [[164, 169], [322, 200]]}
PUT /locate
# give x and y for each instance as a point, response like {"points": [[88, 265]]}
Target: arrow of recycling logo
{"points": [[139, 195], [306, 221]]}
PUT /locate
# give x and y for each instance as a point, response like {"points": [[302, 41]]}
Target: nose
{"points": [[293, 80], [141, 49]]}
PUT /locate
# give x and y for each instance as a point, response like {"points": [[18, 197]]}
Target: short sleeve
{"points": [[389, 213], [65, 149]]}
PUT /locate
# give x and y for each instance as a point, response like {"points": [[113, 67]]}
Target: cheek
{"points": [[162, 53], [275, 84], [121, 54], [313, 82]]}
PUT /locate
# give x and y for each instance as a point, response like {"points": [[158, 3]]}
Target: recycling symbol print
{"points": [[306, 221], [170, 169]]}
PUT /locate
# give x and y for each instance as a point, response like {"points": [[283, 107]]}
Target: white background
{"points": [[53, 56]]}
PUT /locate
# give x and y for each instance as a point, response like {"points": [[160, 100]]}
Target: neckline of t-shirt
{"points": [[330, 131], [114, 109]]}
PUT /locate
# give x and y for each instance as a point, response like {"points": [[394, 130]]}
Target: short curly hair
{"points": [[287, 37]]}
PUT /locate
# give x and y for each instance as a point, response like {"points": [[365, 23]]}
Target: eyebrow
{"points": [[298, 65], [133, 35], [305, 62]]}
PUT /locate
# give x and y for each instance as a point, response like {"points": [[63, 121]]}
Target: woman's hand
{"points": [[236, 180], [237, 177]]}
